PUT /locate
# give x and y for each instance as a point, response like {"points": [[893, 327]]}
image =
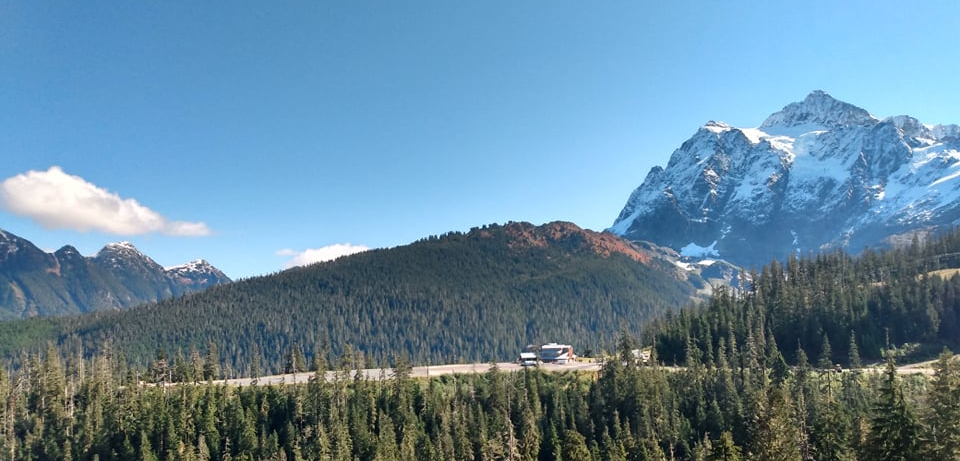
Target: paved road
{"points": [[440, 370], [416, 372]]}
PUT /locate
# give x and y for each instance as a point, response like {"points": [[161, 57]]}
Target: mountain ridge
{"points": [[36, 283]]}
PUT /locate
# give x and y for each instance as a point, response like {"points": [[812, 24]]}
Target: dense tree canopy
{"points": [[838, 309], [477, 296], [97, 409]]}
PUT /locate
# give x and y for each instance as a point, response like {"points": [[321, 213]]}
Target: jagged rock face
{"points": [[36, 283], [141, 275], [123, 256], [818, 174]]}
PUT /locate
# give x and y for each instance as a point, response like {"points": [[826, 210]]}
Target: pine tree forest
{"points": [[800, 365], [837, 308], [96, 409]]}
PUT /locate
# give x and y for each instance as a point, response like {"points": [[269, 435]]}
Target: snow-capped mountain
{"points": [[198, 273], [819, 174], [36, 283]]}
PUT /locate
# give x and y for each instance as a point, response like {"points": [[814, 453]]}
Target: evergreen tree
{"points": [[612, 450], [211, 365], [146, 451], [575, 447], [825, 359], [943, 410], [196, 366], [181, 370], [853, 352], [724, 449], [773, 436], [831, 435], [255, 362], [894, 430], [159, 369]]}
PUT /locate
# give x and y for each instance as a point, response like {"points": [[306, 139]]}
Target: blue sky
{"points": [[247, 133]]}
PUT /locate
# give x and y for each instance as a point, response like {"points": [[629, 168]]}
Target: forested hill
{"points": [[473, 296], [836, 308]]}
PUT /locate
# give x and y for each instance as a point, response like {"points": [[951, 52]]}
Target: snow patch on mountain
{"points": [[198, 272], [692, 250], [195, 265], [754, 134], [8, 244]]}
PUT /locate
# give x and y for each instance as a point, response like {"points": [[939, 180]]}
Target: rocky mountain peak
{"points": [[197, 273], [196, 264], [818, 174], [715, 126], [912, 128], [120, 247], [119, 253], [820, 110], [67, 252]]}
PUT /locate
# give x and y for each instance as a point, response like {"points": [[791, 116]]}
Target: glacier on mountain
{"points": [[818, 174]]}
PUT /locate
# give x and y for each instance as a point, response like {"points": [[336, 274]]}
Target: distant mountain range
{"points": [[36, 283], [470, 296], [817, 175]]}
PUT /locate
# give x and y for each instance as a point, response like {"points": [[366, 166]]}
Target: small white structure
{"points": [[557, 353], [528, 359], [641, 356]]}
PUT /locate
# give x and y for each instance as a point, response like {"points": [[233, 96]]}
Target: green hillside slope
{"points": [[477, 296]]}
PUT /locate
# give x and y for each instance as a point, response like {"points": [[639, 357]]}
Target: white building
{"points": [[557, 353], [528, 359]]}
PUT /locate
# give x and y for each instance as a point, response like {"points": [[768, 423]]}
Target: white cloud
{"points": [[57, 200], [315, 255]]}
